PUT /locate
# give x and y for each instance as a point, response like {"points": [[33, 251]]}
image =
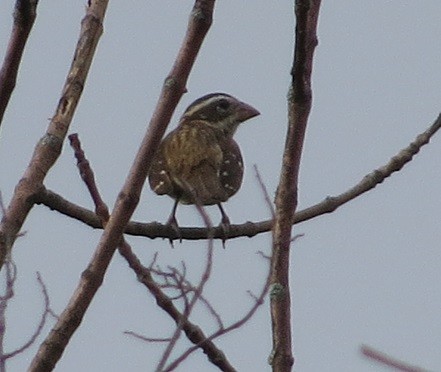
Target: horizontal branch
{"points": [[248, 229]]}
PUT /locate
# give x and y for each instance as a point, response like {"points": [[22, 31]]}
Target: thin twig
{"points": [[146, 339], [178, 281], [387, 360], [259, 300], [192, 331], [197, 293], [265, 192], [11, 275], [37, 332]]}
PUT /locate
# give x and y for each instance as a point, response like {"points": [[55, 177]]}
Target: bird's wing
{"points": [[231, 170], [159, 178]]}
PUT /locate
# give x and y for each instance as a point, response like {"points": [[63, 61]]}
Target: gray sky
{"points": [[368, 273]]}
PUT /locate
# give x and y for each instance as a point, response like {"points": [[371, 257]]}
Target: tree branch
{"points": [[197, 293], [259, 300], [91, 279], [24, 16], [47, 311], [387, 360], [144, 274], [299, 105], [191, 330], [49, 147], [155, 230]]}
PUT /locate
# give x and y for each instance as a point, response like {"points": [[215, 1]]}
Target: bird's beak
{"points": [[245, 112]]}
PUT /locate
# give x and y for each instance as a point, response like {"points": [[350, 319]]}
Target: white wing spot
{"points": [[158, 185], [163, 172], [224, 173], [226, 162]]}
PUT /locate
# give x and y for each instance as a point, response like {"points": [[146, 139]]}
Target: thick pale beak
{"points": [[245, 112]]}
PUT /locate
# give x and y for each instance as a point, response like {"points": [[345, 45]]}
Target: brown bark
{"points": [[49, 147], [91, 279], [299, 105], [24, 16]]}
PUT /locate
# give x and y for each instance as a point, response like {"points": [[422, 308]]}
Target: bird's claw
{"points": [[225, 226], [173, 226]]}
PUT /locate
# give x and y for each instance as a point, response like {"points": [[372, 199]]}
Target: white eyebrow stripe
{"points": [[204, 103]]}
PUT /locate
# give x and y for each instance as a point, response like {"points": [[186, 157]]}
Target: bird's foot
{"points": [[225, 226], [173, 226]]}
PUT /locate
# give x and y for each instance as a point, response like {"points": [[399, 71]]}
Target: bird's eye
{"points": [[222, 106]]}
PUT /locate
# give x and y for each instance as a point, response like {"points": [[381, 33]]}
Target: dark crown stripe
{"points": [[204, 101]]}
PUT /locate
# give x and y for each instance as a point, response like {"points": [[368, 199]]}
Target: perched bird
{"points": [[199, 162]]}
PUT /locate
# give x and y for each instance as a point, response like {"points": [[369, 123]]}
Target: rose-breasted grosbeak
{"points": [[199, 162]]}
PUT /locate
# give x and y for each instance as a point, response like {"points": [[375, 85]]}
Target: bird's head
{"points": [[220, 111]]}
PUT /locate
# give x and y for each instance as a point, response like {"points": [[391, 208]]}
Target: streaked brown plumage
{"points": [[199, 162]]}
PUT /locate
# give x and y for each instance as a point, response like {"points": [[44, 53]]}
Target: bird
{"points": [[199, 162]]}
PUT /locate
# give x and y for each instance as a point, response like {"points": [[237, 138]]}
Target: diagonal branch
{"points": [[387, 360], [299, 106], [191, 330], [24, 16], [249, 229], [91, 279], [144, 275], [49, 147]]}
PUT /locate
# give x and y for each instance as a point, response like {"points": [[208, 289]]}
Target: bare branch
{"points": [[197, 292], [11, 275], [87, 176], [37, 332], [259, 300], [299, 106], [146, 339], [92, 278], [262, 185], [192, 331], [177, 281], [174, 279], [49, 147], [249, 229], [24, 16], [387, 360]]}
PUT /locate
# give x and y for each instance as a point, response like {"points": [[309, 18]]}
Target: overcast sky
{"points": [[368, 273]]}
